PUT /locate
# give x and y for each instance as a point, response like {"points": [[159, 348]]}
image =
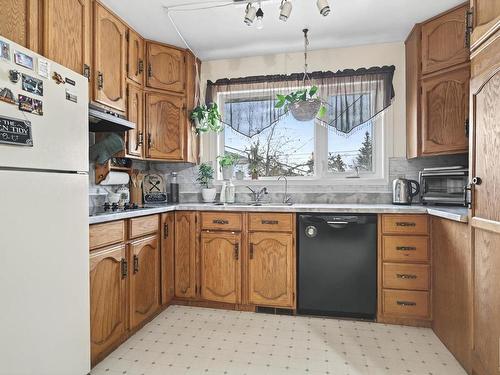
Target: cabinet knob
{"points": [[477, 181]]}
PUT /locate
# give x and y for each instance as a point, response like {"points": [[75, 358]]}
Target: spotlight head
{"points": [[323, 7], [286, 9], [250, 14], [260, 19]]}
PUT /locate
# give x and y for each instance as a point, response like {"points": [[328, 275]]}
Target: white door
{"points": [[44, 276], [60, 135]]}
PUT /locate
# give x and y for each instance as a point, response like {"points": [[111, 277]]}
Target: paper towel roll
{"points": [[116, 178]]}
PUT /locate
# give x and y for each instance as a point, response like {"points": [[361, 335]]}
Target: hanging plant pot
{"points": [[305, 110]]}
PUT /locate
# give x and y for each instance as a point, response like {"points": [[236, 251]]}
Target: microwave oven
{"points": [[444, 186]]}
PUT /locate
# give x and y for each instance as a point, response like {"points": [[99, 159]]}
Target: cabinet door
{"points": [[444, 112], [144, 279], [193, 69], [110, 48], [135, 65], [167, 257], [443, 41], [135, 111], [485, 217], [166, 68], [271, 280], [66, 33], [486, 13], [20, 22], [185, 254], [221, 266], [451, 294], [107, 299], [165, 116]]}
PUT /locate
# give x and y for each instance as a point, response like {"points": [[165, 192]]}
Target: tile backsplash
{"points": [[303, 192]]}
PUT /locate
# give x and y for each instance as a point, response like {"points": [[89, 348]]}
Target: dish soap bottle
{"points": [[174, 188]]}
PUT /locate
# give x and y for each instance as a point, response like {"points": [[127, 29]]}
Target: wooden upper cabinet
{"points": [[20, 22], [144, 279], [445, 103], [165, 68], [486, 13], [443, 41], [271, 276], [193, 69], [165, 116], [66, 33], [167, 257], [413, 73], [135, 111], [107, 299], [135, 64], [185, 254], [220, 255], [110, 50]]}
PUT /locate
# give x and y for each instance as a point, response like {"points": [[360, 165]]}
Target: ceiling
{"points": [[220, 33]]}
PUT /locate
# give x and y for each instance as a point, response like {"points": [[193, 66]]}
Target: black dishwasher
{"points": [[337, 265]]}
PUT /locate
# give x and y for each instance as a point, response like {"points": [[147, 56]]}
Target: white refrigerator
{"points": [[44, 250]]}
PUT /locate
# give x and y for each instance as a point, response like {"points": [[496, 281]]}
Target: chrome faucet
{"points": [[287, 199], [257, 194]]}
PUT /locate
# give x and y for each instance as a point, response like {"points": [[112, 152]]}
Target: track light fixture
{"points": [[250, 14], [323, 7], [260, 18], [285, 10]]}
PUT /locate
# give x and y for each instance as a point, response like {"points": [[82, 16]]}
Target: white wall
{"points": [[323, 60]]}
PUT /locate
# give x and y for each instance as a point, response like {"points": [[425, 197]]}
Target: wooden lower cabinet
{"points": [[167, 257], [108, 299], [185, 254], [451, 284], [220, 266], [271, 269], [144, 279]]}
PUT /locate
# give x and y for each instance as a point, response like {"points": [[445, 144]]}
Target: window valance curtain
{"points": [[351, 97]]}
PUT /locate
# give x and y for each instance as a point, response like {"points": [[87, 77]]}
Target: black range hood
{"points": [[101, 120]]}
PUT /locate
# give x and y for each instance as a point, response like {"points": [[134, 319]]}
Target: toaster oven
{"points": [[444, 186]]}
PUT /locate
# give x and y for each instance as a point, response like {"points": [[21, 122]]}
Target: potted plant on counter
{"points": [[205, 178], [227, 163], [207, 118]]}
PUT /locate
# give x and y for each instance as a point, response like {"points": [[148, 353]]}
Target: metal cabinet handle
{"points": [[468, 28], [405, 224], [477, 181], [136, 264], [405, 276], [270, 222], [251, 250], [150, 140], [100, 80], [124, 268], [86, 71], [220, 221], [165, 231], [236, 251], [406, 248], [140, 67], [140, 140], [150, 70], [406, 303]]}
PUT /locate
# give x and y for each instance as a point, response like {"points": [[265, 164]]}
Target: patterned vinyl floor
{"points": [[189, 340]]}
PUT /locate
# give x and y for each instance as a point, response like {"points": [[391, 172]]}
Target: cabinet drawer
{"points": [[405, 224], [405, 248], [221, 221], [106, 234], [406, 304], [406, 276], [140, 226], [270, 222]]}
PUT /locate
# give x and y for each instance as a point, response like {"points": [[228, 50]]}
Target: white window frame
{"points": [[213, 146]]}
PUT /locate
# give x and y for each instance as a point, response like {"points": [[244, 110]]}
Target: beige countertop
{"points": [[459, 214]]}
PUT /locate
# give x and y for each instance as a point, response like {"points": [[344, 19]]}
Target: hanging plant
{"points": [[303, 104], [207, 118]]}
